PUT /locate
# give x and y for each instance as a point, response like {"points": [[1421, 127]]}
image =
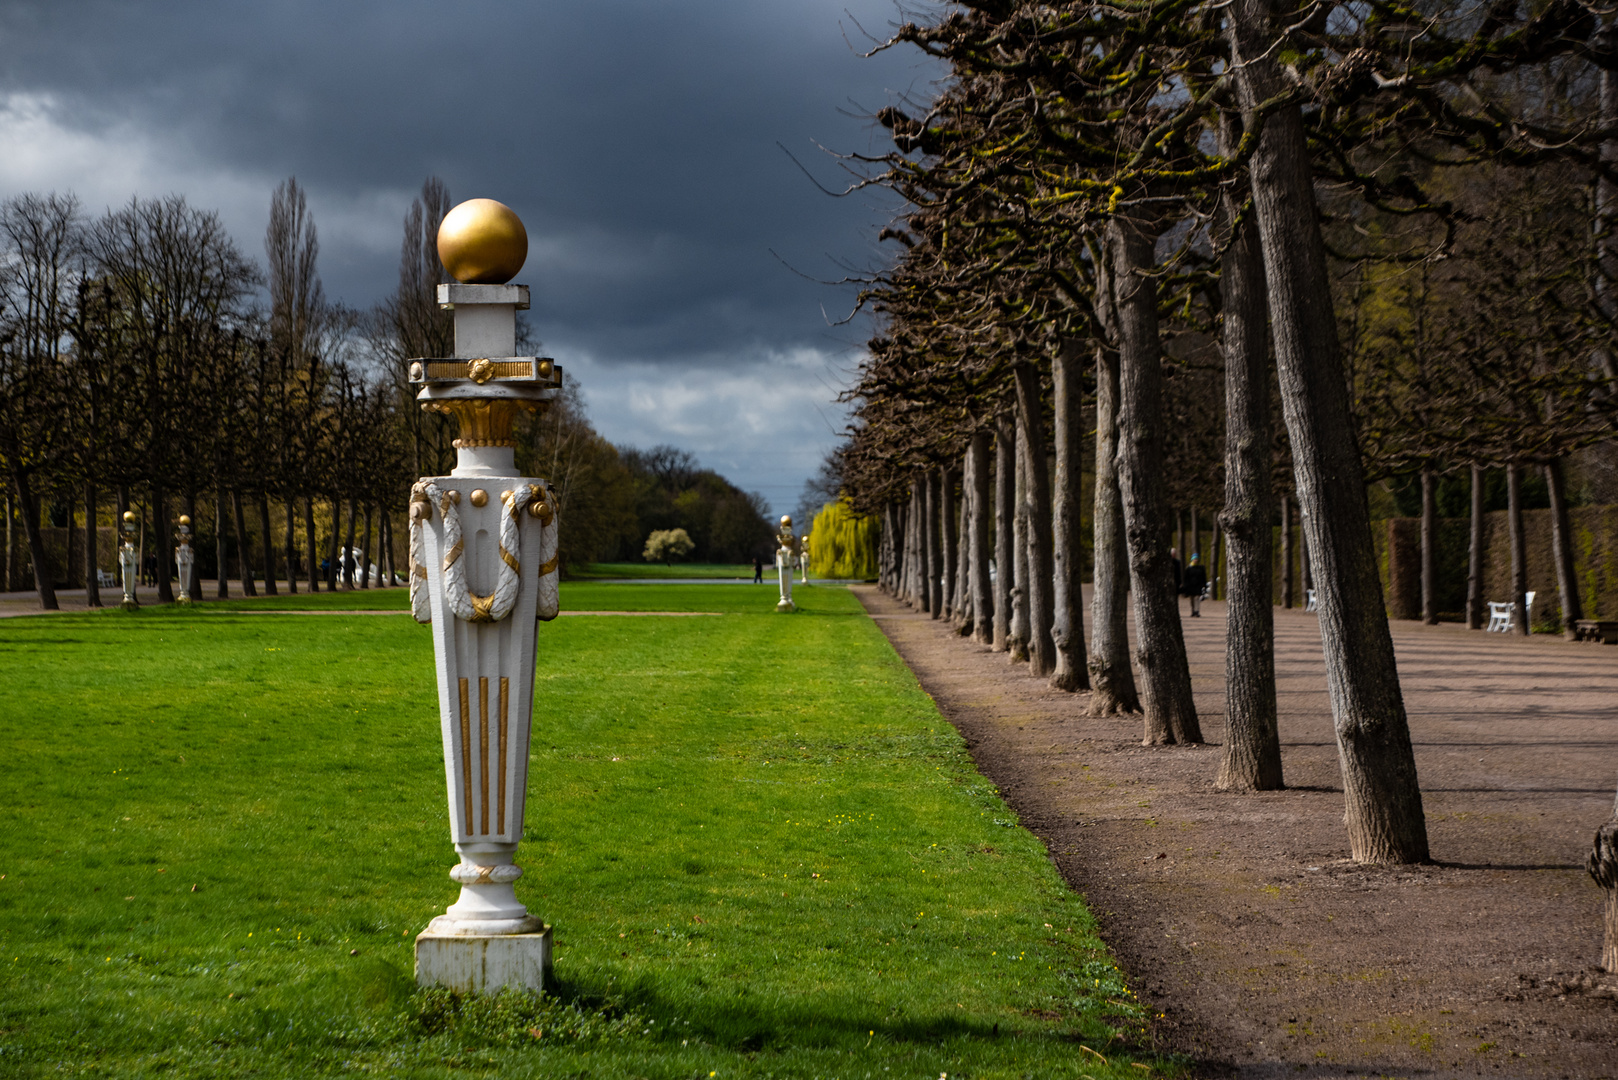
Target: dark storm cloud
{"points": [[637, 140]]}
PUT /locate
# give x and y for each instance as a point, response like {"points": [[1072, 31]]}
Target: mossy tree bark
{"points": [[1474, 555], [1067, 628], [947, 521], [934, 542], [1112, 680], [1005, 513], [267, 541], [1567, 582], [309, 542], [1519, 550], [1429, 544], [1171, 713], [1037, 492], [92, 586], [1252, 751], [1017, 639], [1603, 867], [983, 604], [1384, 814], [244, 544]]}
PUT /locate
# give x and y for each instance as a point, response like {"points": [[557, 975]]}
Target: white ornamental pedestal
{"points": [[483, 562], [129, 563], [783, 571], [185, 559]]}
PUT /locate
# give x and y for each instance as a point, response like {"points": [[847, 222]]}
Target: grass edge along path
{"points": [[764, 850]]}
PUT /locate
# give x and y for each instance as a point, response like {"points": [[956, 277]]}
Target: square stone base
{"points": [[483, 964]]}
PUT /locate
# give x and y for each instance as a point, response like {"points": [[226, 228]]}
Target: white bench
{"points": [[1309, 600], [105, 579], [1502, 616]]}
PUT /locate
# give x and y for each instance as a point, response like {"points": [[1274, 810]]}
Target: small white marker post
{"points": [[483, 561]]}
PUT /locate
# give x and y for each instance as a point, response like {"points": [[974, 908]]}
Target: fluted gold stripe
{"points": [[466, 755], [483, 744], [505, 749]]}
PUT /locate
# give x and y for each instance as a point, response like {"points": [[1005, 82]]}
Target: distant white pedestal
{"points": [[483, 963], [783, 572]]}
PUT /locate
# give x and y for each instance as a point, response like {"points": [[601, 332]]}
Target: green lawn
{"points": [[676, 570], [763, 850]]}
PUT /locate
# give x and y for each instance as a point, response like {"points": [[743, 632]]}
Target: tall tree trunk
{"points": [[1384, 814], [1429, 542], [935, 551], [1041, 562], [1005, 513], [92, 552], [221, 554], [1474, 555], [961, 596], [1305, 567], [884, 549], [1286, 551], [292, 544], [1216, 552], [1017, 638], [243, 546], [1567, 582], [1519, 549], [365, 551], [1602, 866], [267, 536], [983, 610], [918, 543], [1171, 713], [309, 542], [162, 530], [44, 577], [386, 548], [334, 568], [11, 544], [348, 543], [1067, 552], [947, 522], [1112, 680], [1252, 752], [1196, 538], [1180, 550]]}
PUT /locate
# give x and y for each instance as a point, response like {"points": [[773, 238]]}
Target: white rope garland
{"points": [[465, 604]]}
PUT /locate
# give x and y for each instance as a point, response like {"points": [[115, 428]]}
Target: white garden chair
{"points": [[1502, 616]]}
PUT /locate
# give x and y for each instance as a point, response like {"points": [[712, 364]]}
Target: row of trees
{"points": [[1169, 224], [137, 358]]}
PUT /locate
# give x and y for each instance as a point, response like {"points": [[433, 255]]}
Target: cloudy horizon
{"points": [[653, 152]]}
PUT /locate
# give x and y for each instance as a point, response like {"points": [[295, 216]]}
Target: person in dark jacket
{"points": [[758, 570], [1194, 581]]}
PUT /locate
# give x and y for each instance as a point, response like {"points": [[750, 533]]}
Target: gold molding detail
{"points": [[483, 745], [466, 754], [505, 749]]}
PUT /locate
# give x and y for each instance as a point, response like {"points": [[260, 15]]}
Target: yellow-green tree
{"points": [[842, 544]]}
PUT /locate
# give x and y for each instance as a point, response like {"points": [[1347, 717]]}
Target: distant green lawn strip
{"points": [[746, 599], [676, 570], [763, 850]]}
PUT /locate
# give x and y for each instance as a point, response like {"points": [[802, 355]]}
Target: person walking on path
{"points": [[758, 570], [1194, 581]]}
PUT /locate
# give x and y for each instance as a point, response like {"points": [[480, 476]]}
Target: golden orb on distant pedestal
{"points": [[185, 519], [482, 242], [129, 516]]}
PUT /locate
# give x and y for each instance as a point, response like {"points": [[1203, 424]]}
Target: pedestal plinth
{"points": [[484, 963]]}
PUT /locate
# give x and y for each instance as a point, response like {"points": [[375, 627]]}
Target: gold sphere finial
{"points": [[129, 516], [786, 519], [185, 519], [482, 242]]}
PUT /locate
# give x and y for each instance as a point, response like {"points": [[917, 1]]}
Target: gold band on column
{"points": [[505, 751], [483, 744], [466, 755]]}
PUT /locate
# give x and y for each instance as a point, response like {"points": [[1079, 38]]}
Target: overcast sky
{"points": [[637, 139]]}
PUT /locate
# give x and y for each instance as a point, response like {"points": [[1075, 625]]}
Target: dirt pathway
{"points": [[1241, 919]]}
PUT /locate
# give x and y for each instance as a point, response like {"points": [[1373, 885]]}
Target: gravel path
{"points": [[1268, 953]]}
